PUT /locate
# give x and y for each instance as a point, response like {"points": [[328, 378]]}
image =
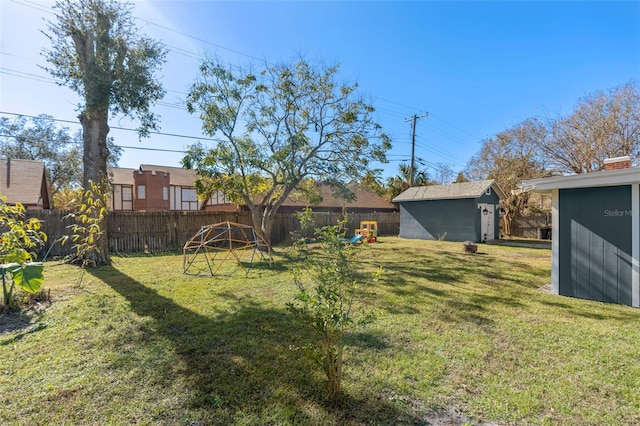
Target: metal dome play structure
{"points": [[214, 244]]}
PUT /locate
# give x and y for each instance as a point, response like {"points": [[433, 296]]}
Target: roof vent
{"points": [[617, 163]]}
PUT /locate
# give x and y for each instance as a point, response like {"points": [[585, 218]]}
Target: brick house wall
{"points": [[151, 190]]}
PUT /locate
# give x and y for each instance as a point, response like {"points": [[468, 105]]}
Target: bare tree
{"points": [[603, 125], [444, 174], [511, 157]]}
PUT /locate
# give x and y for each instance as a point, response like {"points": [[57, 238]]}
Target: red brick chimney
{"points": [[617, 163]]}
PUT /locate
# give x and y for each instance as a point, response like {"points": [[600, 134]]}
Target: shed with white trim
{"points": [[595, 233], [466, 211]]}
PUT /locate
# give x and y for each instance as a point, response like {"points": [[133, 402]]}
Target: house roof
{"points": [[583, 180], [24, 181], [365, 199], [121, 176], [177, 175], [447, 192]]}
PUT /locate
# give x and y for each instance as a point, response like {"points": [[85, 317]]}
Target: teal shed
{"points": [[595, 233], [466, 211]]}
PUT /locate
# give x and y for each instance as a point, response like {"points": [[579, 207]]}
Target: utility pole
{"points": [[414, 119]]}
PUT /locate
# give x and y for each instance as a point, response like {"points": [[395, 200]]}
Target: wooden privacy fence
{"points": [[533, 226], [131, 232]]}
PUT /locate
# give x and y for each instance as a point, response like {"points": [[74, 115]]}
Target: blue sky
{"points": [[476, 67]]}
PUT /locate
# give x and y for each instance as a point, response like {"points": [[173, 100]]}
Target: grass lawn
{"points": [[460, 337]]}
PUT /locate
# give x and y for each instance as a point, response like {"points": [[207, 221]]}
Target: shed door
{"points": [[487, 221]]}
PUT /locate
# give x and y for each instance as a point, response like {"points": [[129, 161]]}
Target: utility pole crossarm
{"points": [[413, 119]]}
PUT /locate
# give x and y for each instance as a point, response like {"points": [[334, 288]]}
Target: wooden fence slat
{"points": [[528, 226]]}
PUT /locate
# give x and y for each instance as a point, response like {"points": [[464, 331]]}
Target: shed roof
{"points": [[584, 180], [24, 181], [446, 192]]}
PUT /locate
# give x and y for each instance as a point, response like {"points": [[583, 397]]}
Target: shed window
{"points": [[488, 191]]}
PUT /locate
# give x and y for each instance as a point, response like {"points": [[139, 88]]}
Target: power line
{"points": [[5, 135], [191, 54], [27, 75], [387, 111], [198, 39], [439, 152], [36, 6], [59, 120], [151, 149], [457, 128], [46, 79]]}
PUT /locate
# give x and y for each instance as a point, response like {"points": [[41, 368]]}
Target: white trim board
{"points": [[586, 180]]}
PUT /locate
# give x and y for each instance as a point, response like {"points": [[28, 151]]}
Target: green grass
{"points": [[472, 337]]}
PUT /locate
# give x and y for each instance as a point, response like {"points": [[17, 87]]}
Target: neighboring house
{"points": [[155, 188], [595, 232], [122, 186], [162, 188], [366, 201], [26, 182], [457, 212]]}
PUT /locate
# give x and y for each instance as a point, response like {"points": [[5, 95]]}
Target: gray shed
{"points": [[595, 234], [455, 212]]}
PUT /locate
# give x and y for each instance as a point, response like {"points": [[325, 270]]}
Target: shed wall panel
{"points": [[595, 243], [451, 220], [596, 269]]}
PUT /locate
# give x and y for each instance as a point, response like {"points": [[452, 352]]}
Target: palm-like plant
{"points": [[400, 183]]}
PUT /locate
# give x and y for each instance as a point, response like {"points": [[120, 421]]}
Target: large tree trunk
{"points": [[94, 137], [262, 223], [263, 215], [95, 129]]}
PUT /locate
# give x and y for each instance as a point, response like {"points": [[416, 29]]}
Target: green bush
{"points": [[18, 243]]}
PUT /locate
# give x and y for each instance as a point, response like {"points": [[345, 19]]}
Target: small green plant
{"points": [[326, 297], [89, 211], [18, 242]]}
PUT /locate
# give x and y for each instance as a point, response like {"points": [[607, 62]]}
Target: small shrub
{"points": [[326, 298], [89, 211], [18, 243]]}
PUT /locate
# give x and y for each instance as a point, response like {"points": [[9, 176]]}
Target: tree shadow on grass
{"points": [[240, 363], [584, 308], [14, 325]]}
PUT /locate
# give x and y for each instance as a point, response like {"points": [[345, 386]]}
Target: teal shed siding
{"points": [[595, 243], [449, 219]]}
